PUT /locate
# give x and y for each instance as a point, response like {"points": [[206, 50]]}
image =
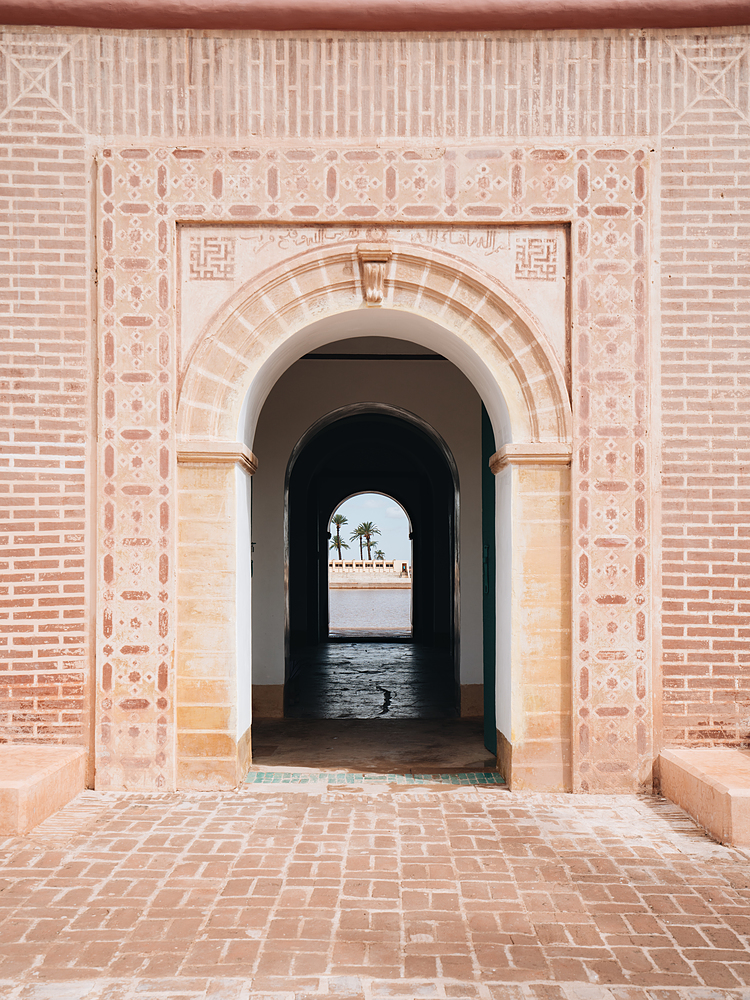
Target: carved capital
{"points": [[536, 453], [217, 453], [372, 260]]}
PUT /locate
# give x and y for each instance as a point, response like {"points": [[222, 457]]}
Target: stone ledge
{"points": [[36, 781], [532, 453], [713, 786], [217, 453]]}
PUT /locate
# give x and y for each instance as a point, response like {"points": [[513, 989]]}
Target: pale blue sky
{"points": [[387, 515]]}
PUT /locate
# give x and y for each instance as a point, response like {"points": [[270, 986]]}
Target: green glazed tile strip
{"points": [[348, 778]]}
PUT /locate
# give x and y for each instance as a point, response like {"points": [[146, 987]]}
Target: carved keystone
{"points": [[372, 258]]}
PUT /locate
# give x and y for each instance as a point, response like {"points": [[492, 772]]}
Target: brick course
{"points": [[705, 313], [45, 375]]}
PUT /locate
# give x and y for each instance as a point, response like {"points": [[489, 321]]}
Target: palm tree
{"points": [[358, 534], [369, 530], [338, 542], [379, 554], [337, 546]]}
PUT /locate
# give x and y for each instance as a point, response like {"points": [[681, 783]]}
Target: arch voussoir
{"points": [[260, 327]]}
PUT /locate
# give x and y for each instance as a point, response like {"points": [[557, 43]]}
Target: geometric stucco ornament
{"points": [[372, 259]]}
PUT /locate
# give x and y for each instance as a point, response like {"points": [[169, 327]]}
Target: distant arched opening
{"points": [[378, 449], [369, 568]]}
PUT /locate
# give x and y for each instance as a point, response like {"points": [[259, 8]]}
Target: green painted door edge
{"points": [[489, 610]]}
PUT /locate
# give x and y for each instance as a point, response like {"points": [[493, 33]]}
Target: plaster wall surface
{"points": [[379, 15], [637, 140]]}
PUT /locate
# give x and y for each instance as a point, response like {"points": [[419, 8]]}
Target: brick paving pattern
{"points": [[372, 891]]}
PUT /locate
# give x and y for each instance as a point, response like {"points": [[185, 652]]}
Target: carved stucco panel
{"points": [[601, 192]]}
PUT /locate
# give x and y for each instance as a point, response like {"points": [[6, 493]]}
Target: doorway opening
{"points": [[412, 695], [297, 344], [354, 672]]}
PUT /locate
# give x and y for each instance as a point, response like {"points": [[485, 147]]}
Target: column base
{"points": [[224, 765], [534, 766]]}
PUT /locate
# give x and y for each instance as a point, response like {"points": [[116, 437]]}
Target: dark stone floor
{"points": [[358, 679]]}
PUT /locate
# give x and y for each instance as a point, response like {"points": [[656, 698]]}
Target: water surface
{"points": [[369, 609]]}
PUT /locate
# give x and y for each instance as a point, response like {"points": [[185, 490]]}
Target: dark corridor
{"points": [[372, 450]]}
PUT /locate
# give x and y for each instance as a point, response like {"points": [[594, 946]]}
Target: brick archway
{"points": [[494, 340]]}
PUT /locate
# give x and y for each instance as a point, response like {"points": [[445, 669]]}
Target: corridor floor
{"points": [[362, 679], [372, 892], [391, 746]]}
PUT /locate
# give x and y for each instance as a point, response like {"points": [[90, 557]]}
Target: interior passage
{"points": [[394, 653]]}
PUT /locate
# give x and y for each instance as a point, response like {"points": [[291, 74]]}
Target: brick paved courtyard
{"points": [[376, 891]]}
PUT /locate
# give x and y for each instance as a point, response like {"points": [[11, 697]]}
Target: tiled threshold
{"points": [[282, 777]]}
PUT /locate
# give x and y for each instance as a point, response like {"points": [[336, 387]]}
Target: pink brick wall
{"points": [[705, 349], [45, 401]]}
